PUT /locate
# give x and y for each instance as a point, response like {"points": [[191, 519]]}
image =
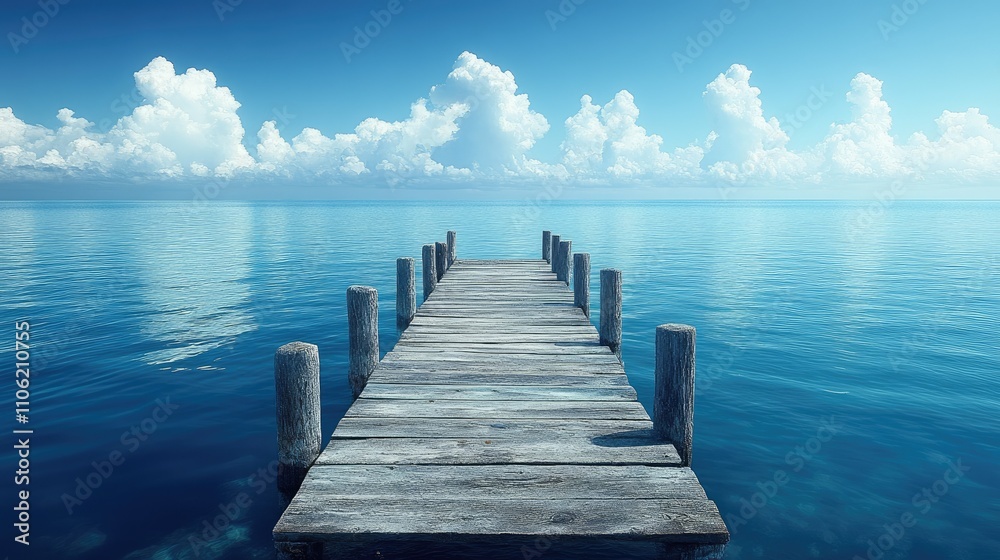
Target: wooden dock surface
{"points": [[499, 414]]}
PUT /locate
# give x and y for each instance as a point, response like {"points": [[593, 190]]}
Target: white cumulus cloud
{"points": [[476, 126]]}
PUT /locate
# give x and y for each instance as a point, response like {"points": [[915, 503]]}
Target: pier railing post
{"points": [[362, 335], [553, 251], [547, 246], [673, 393], [581, 282], [296, 385], [440, 259], [451, 247], [406, 292], [565, 258], [611, 309], [429, 271]]}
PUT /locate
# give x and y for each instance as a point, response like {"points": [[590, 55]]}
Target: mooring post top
{"points": [[296, 348], [404, 259], [611, 271], [357, 289], [676, 328]]}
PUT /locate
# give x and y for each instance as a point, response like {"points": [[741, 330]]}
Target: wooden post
{"points": [[406, 292], [296, 386], [547, 245], [565, 256], [451, 247], [362, 335], [429, 271], [611, 309], [581, 282], [673, 394], [440, 259], [554, 252]]}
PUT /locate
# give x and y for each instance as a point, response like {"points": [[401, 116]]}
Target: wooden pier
{"points": [[501, 415]]}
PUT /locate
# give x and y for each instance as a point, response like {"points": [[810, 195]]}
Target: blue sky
{"points": [[285, 63]]}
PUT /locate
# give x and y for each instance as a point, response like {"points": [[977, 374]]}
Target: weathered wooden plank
{"points": [[540, 359], [482, 428], [505, 482], [317, 517], [461, 377], [504, 349], [529, 365], [499, 415], [493, 392], [459, 338], [542, 450], [597, 410]]}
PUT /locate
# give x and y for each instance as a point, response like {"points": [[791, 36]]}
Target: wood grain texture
{"points": [[362, 335], [406, 291], [440, 259], [429, 271], [673, 396], [581, 282], [297, 392], [501, 413], [452, 238], [611, 309]]}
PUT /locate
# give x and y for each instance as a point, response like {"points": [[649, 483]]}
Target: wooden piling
{"points": [[565, 261], [440, 259], [611, 309], [362, 331], [553, 251], [547, 245], [451, 247], [429, 271], [673, 394], [581, 282], [406, 291], [296, 385]]}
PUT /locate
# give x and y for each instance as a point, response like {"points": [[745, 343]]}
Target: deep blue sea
{"points": [[849, 349]]}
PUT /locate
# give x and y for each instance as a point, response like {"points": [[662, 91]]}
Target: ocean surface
{"points": [[849, 350]]}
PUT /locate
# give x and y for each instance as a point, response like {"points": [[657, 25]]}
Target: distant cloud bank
{"points": [[476, 127]]}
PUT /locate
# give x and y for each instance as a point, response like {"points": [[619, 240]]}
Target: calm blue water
{"points": [[882, 323]]}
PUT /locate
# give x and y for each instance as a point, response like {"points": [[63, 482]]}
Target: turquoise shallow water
{"points": [[846, 349]]}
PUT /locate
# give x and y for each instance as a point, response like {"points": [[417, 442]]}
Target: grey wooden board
{"points": [[540, 359], [315, 517], [506, 482], [542, 450], [538, 365], [598, 410], [508, 379], [552, 331], [576, 349], [457, 428], [496, 392], [498, 414]]}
